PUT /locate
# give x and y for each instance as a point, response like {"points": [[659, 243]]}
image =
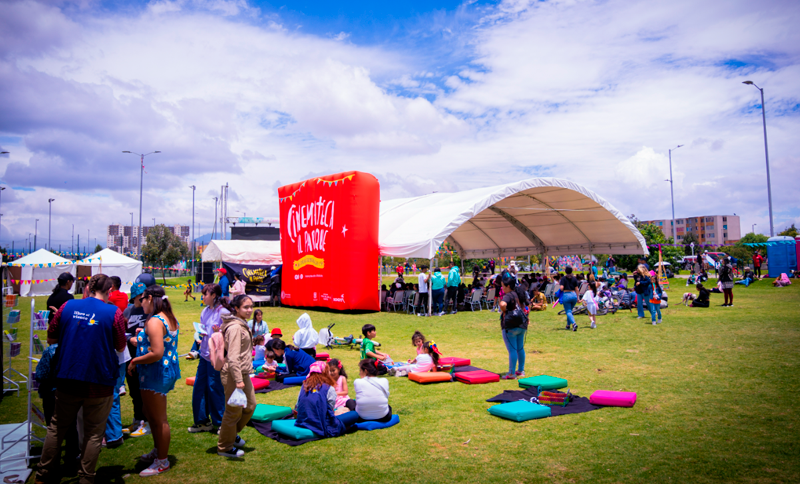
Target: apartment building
{"points": [[124, 238], [707, 229]]}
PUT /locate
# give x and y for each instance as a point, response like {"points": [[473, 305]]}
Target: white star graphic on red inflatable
{"points": [[344, 230]]}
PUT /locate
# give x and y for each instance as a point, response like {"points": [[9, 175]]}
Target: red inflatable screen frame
{"points": [[329, 242]]}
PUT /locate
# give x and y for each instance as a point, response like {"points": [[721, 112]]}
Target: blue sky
{"points": [[428, 96]]}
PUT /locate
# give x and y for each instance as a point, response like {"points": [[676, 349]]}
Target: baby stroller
{"points": [[625, 299]]}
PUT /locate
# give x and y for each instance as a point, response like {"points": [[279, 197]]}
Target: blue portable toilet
{"points": [[781, 255]]}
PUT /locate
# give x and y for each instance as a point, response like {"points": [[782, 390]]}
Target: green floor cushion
{"points": [[520, 411], [267, 413], [287, 429], [544, 382]]}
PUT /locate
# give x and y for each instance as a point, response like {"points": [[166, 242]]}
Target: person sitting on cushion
{"points": [[372, 393], [316, 402], [297, 362], [702, 300]]}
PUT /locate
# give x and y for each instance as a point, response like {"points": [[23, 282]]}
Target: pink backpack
{"points": [[216, 350]]}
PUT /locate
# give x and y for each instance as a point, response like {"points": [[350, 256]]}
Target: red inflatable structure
{"points": [[329, 241]]}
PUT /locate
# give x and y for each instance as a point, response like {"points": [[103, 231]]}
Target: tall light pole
{"points": [[50, 222], [35, 233], [754, 228], [766, 154], [214, 232], [1, 196], [141, 185], [193, 190], [672, 196]]}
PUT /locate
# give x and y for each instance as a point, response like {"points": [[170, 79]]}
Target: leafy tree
{"points": [[653, 236], [743, 252], [97, 248], [688, 239], [790, 231], [163, 248]]}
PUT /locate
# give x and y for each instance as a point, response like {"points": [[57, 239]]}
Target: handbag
{"points": [[516, 318]]}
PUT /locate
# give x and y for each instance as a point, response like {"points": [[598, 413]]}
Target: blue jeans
{"points": [[438, 300], [640, 305], [348, 419], [515, 344], [208, 395], [654, 309], [114, 422], [569, 300]]}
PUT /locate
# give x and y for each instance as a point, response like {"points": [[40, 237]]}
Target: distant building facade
{"points": [[124, 238], [707, 229]]}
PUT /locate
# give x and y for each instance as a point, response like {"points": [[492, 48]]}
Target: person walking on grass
{"points": [[569, 284], [89, 333], [158, 368], [208, 395], [235, 375]]}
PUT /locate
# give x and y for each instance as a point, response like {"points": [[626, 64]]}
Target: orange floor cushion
{"points": [[190, 381], [430, 377]]}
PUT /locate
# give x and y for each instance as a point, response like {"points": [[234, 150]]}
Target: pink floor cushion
{"points": [[475, 377], [259, 383], [454, 361], [322, 357], [610, 398]]}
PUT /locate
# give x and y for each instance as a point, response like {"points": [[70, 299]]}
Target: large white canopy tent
{"points": [[262, 252], [40, 265], [112, 263], [536, 216]]}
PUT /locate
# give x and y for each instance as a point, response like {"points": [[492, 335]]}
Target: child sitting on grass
{"points": [[340, 377], [316, 401], [425, 361], [297, 362], [368, 347]]}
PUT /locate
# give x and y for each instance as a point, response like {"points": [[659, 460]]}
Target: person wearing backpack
{"points": [[514, 324], [235, 374], [208, 394]]}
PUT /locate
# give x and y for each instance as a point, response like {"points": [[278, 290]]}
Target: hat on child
{"points": [[317, 367], [276, 332]]}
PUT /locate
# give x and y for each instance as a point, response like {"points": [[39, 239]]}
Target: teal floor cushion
{"points": [[373, 425], [268, 413], [544, 382], [520, 411], [287, 429]]}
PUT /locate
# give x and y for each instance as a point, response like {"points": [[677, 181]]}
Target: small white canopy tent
{"points": [[535, 216], [262, 252], [41, 265], [112, 263]]}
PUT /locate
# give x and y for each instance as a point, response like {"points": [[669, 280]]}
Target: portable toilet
{"points": [[781, 255]]}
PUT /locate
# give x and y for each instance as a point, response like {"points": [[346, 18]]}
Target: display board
{"points": [[329, 241], [256, 277]]}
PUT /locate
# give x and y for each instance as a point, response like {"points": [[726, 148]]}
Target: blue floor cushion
{"points": [[287, 429], [373, 425], [520, 411], [294, 380], [267, 413]]}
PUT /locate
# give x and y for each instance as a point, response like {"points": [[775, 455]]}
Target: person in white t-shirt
{"points": [[423, 288], [372, 394]]}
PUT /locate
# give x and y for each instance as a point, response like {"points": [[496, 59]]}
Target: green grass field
{"points": [[716, 403]]}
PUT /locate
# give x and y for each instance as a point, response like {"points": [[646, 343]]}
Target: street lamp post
{"points": [[754, 228], [1, 196], [141, 184], [214, 232], [50, 222], [35, 233], [672, 196], [193, 190], [766, 155]]}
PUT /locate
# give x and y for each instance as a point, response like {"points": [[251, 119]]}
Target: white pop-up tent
{"points": [[41, 265], [262, 252], [536, 216], [112, 263]]}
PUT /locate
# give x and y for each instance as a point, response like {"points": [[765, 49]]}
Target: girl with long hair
{"points": [[208, 395]]}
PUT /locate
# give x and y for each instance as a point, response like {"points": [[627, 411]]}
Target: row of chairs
{"points": [[411, 301]]}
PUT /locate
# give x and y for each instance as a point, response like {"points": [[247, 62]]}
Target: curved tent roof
{"points": [[112, 263], [534, 216], [266, 252]]}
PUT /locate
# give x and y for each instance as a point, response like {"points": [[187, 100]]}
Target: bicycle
{"points": [[330, 341]]}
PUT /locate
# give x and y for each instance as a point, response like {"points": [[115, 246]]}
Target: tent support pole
{"points": [[430, 285]]}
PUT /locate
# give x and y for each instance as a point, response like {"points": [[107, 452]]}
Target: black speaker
{"points": [[205, 272]]}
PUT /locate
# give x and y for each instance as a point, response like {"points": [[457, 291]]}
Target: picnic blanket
{"points": [[576, 405], [265, 429], [276, 385]]}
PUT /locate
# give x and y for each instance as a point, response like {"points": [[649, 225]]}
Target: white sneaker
{"points": [[659, 321], [144, 429], [234, 453], [654, 323], [593, 326], [158, 466], [151, 456], [122, 391]]}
